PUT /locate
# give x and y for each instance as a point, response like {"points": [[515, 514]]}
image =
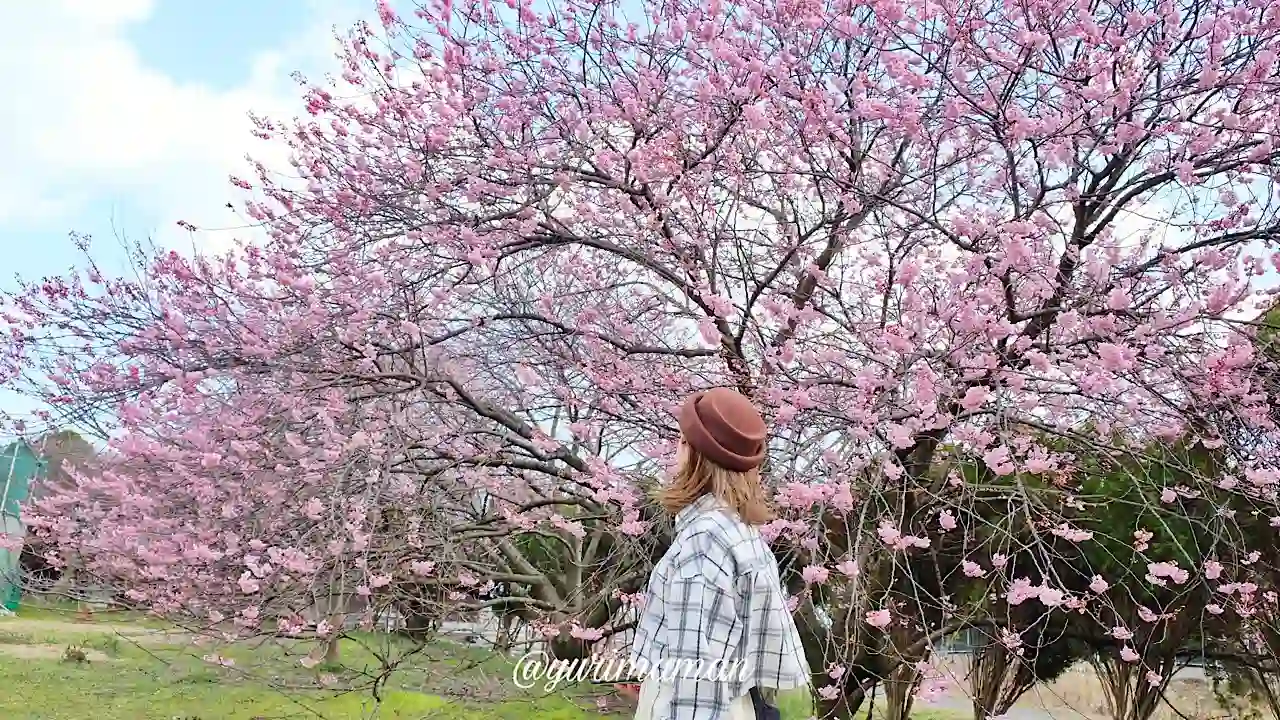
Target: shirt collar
{"points": [[690, 512]]}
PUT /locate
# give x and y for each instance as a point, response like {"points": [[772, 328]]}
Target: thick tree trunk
{"points": [[900, 692], [1126, 692], [566, 647], [329, 650]]}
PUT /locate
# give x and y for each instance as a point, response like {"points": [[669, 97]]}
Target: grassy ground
{"points": [[1078, 695], [139, 670]]}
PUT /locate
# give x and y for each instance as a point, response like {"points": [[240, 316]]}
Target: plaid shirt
{"points": [[715, 597]]}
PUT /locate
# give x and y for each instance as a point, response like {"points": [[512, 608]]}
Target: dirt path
{"points": [[48, 652], [41, 631], [961, 705], [28, 626]]}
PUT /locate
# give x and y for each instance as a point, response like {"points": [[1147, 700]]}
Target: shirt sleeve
{"points": [[703, 636]]}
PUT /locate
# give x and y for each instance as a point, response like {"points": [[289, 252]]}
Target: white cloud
{"points": [[85, 119]]}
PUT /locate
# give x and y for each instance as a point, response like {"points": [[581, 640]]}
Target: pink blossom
{"points": [[1021, 590], [1115, 357], [1038, 466], [249, 584], [1118, 299], [974, 398], [900, 436], [999, 460], [946, 520], [1157, 572], [879, 618], [1010, 639], [842, 498], [1072, 534], [801, 495], [1128, 654], [815, 574], [634, 528], [582, 633], [891, 536], [481, 283], [313, 509], [1051, 597], [771, 531], [848, 568]]}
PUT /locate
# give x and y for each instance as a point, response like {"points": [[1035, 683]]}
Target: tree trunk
{"points": [[1127, 693], [900, 691], [997, 678], [839, 708], [566, 647], [327, 651], [65, 585]]}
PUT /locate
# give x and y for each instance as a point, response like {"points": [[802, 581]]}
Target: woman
{"points": [[716, 628]]}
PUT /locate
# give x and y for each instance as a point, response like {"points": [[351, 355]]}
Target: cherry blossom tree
{"points": [[969, 257], [382, 509], [60, 451]]}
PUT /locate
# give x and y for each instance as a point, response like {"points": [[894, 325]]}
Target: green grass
{"points": [[132, 691], [133, 688], [142, 680], [64, 611]]}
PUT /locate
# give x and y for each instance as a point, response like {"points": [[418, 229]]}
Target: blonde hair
{"points": [[698, 476]]}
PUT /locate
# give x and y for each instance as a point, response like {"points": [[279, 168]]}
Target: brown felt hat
{"points": [[725, 428]]}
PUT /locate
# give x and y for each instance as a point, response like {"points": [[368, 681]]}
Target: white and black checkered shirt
{"points": [[715, 597]]}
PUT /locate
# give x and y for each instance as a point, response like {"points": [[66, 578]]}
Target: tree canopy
{"points": [[988, 268]]}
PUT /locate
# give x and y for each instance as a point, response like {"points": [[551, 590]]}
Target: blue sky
{"points": [[124, 116]]}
